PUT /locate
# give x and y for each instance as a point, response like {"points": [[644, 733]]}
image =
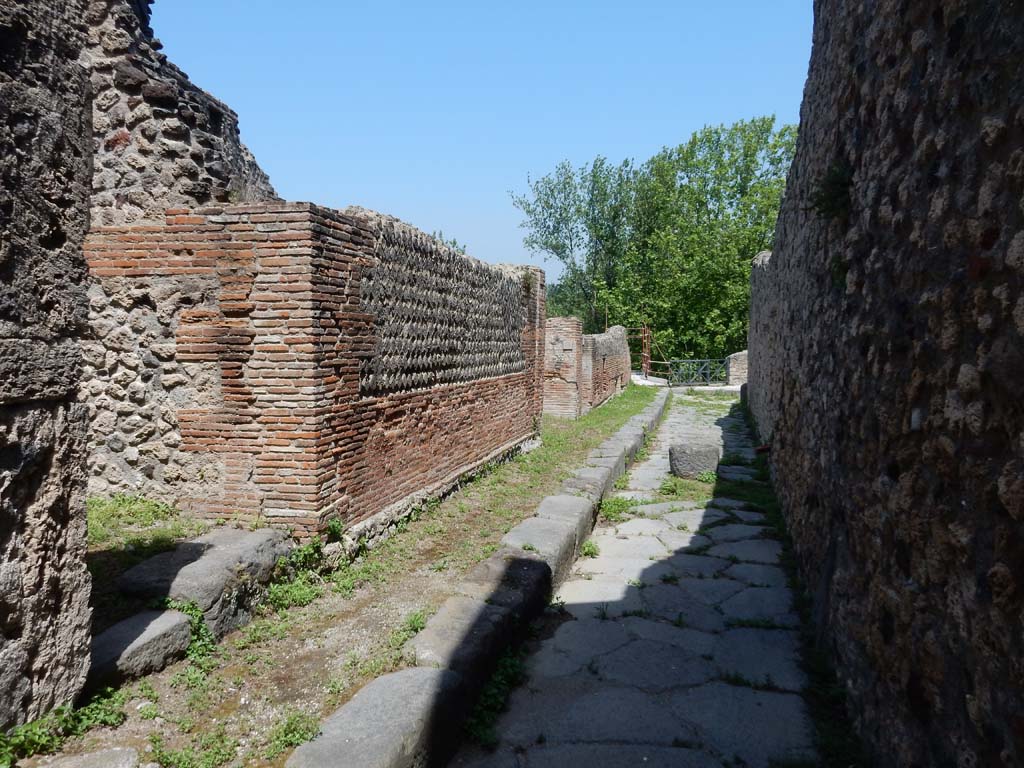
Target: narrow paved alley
{"points": [[678, 644]]}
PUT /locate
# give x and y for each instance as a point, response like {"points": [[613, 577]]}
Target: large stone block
{"points": [[223, 572], [144, 643], [691, 459]]}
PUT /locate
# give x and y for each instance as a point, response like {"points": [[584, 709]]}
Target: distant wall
{"points": [[605, 369], [293, 363], [736, 368], [886, 370], [159, 141], [45, 165], [581, 371]]}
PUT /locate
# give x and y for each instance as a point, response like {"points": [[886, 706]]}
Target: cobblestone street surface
{"points": [[679, 647]]}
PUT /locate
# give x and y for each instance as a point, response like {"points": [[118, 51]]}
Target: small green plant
{"points": [[616, 509], [296, 728], [145, 690], [707, 477], [335, 530], [299, 591], [529, 547], [210, 750], [48, 733], [590, 549], [202, 647], [508, 674]]}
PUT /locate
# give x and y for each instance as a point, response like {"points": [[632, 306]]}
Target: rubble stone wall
{"points": [[581, 371], [291, 363], [159, 141], [887, 357], [45, 153], [605, 370], [736, 368]]}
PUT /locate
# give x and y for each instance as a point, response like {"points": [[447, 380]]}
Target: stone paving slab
{"points": [[758, 727], [586, 599], [767, 657], [736, 532], [774, 604], [757, 551], [757, 575]]}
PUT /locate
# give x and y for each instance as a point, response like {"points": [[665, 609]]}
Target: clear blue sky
{"points": [[433, 111]]}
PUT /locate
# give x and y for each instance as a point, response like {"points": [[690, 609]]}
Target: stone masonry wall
{"points": [[582, 371], [887, 357], [160, 142], [293, 363], [45, 153], [736, 368], [563, 360], [605, 370]]}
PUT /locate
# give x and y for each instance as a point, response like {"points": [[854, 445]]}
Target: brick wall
{"points": [[286, 362], [581, 371], [563, 360]]}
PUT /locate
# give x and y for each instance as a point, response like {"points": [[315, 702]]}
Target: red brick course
{"points": [[581, 371]]}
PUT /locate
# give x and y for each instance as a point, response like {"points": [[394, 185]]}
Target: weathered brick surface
{"points": [[581, 371], [239, 354], [159, 141], [45, 165], [563, 367], [886, 366]]}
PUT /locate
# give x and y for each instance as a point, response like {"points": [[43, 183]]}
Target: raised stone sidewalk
{"points": [[679, 649]]}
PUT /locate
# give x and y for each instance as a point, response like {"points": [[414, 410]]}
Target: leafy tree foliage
{"points": [[669, 243]]}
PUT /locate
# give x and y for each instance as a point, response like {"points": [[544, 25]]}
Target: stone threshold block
{"points": [[224, 572], [144, 643]]}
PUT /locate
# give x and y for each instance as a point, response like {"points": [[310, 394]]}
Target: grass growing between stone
{"points": [[321, 634]]}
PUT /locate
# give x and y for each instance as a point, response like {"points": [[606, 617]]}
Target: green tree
{"points": [[669, 243], [580, 217]]}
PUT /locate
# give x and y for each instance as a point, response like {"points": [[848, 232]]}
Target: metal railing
{"points": [[705, 372]]}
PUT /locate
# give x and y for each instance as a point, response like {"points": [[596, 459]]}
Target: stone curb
{"points": [[454, 655]]}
